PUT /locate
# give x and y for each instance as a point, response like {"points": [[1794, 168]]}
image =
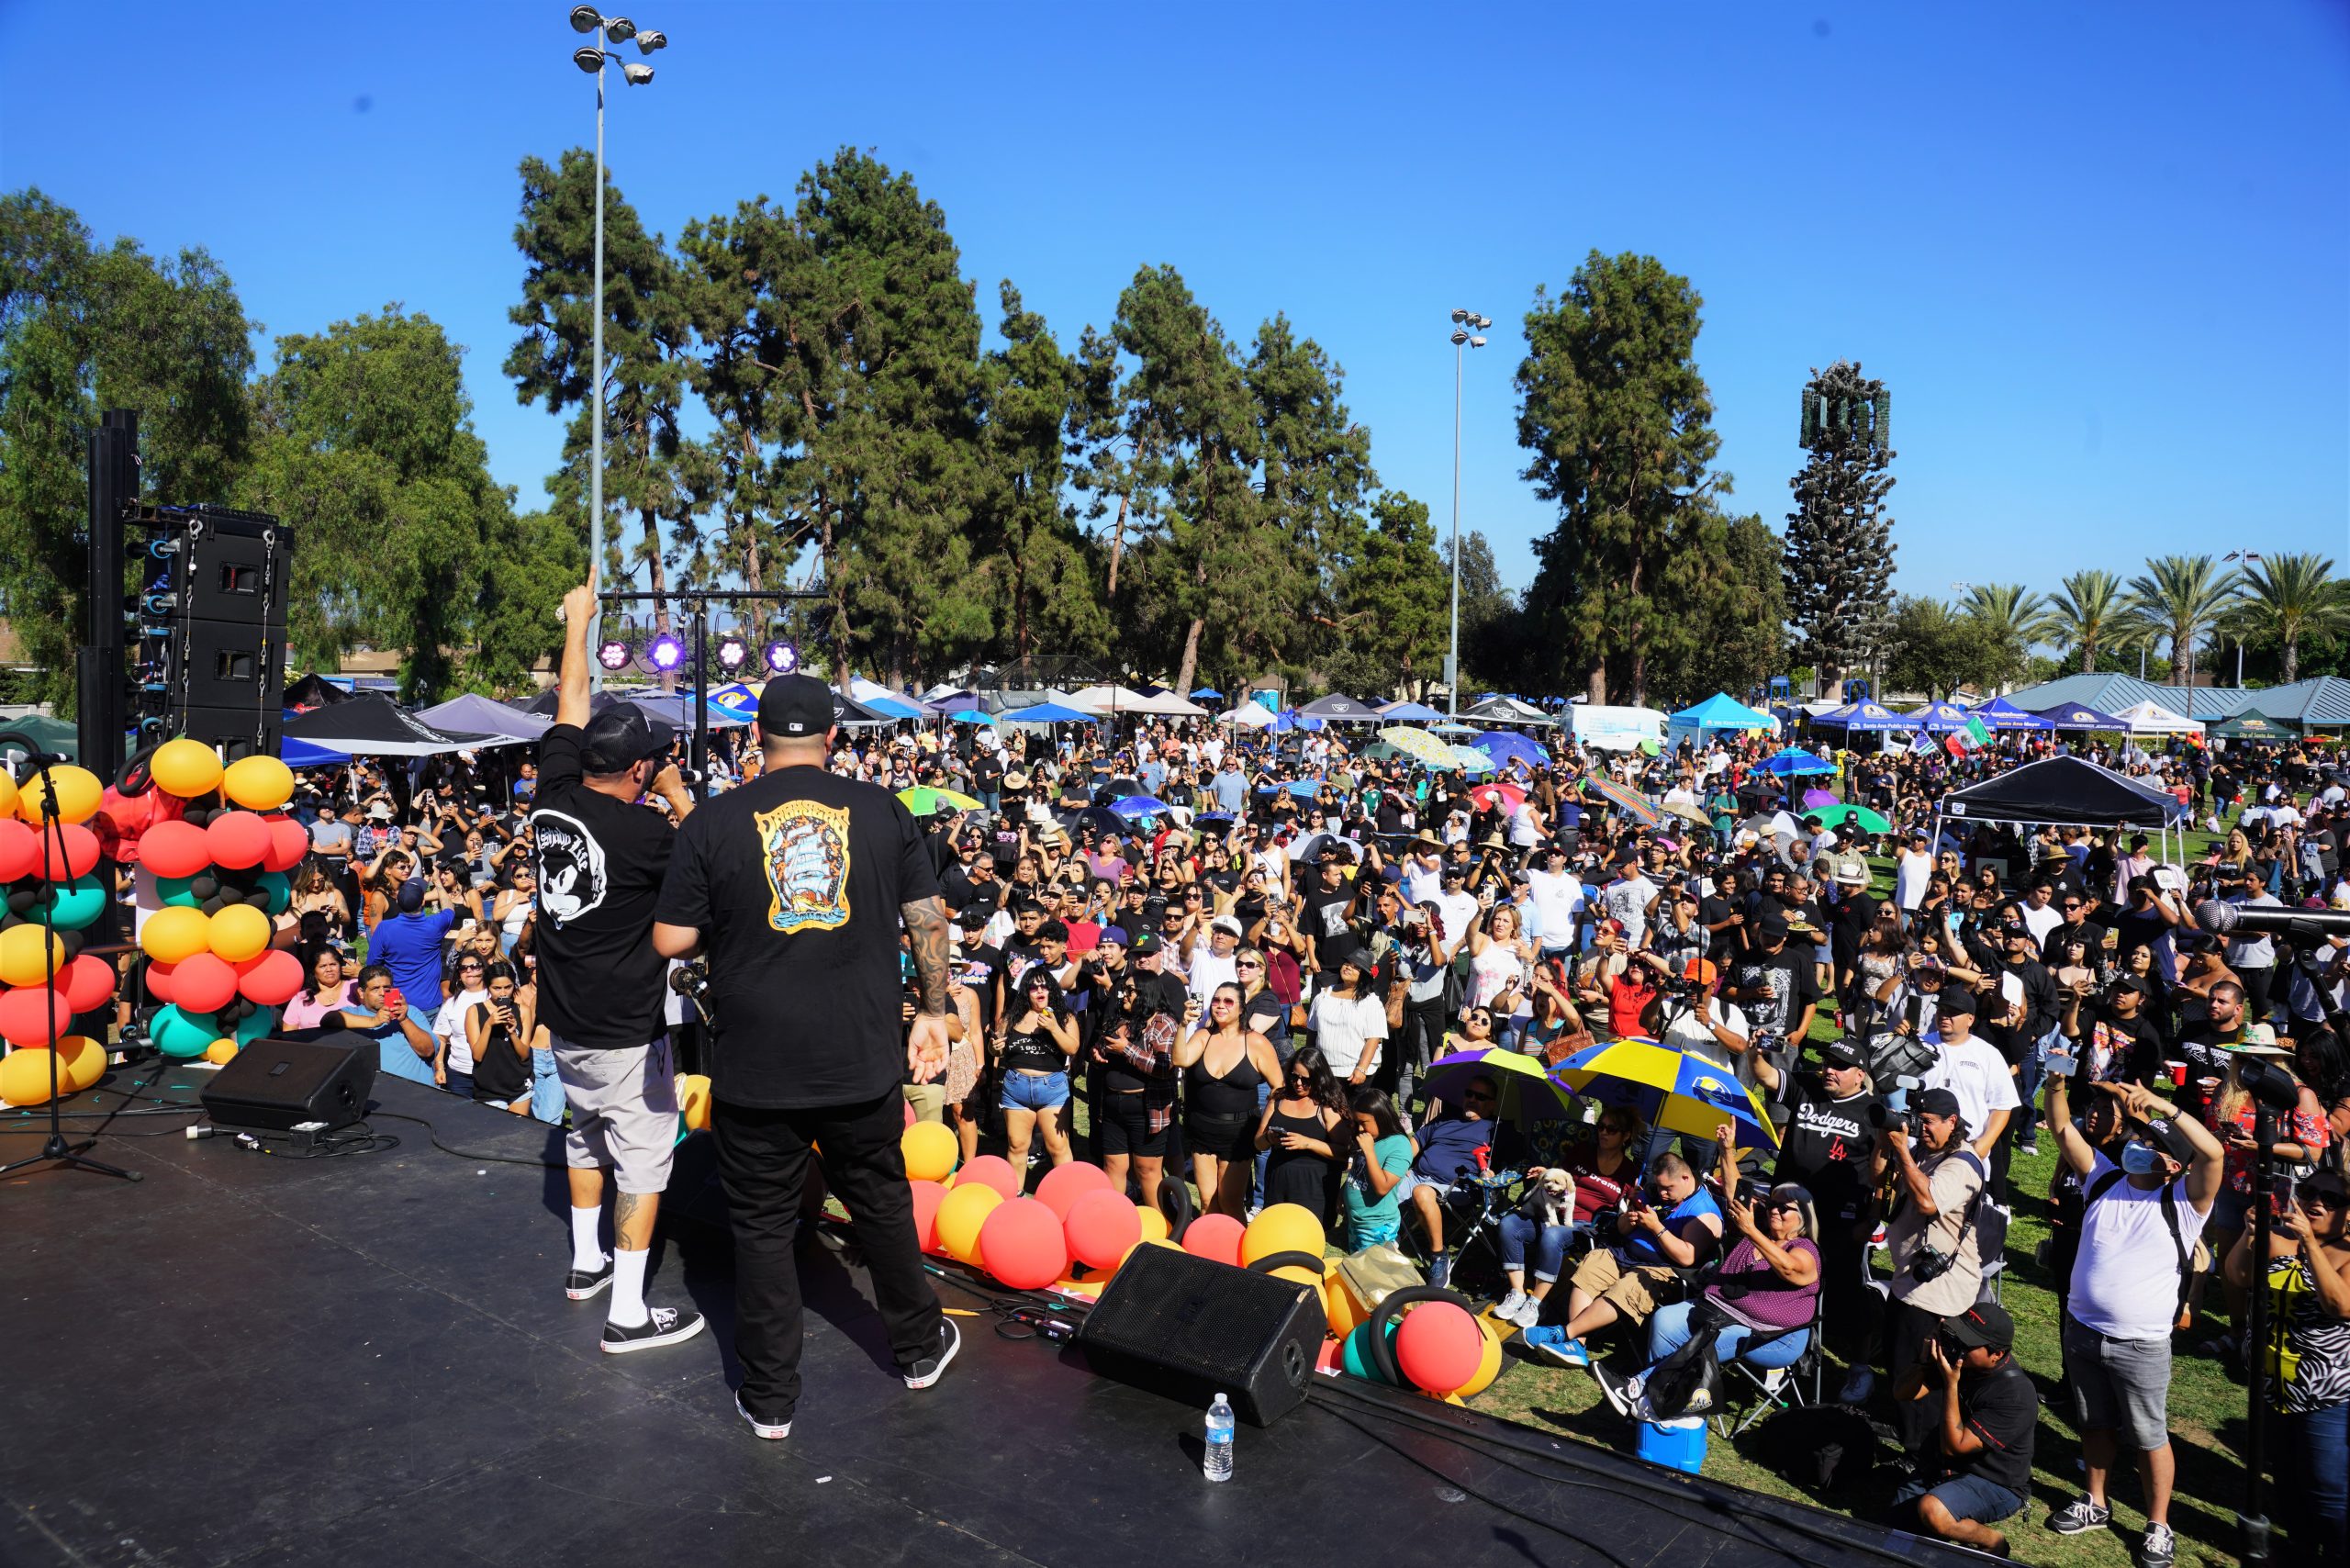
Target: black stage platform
{"points": [[368, 1359]]}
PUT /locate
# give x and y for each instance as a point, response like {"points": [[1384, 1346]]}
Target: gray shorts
{"points": [[2121, 1385], [623, 1111]]}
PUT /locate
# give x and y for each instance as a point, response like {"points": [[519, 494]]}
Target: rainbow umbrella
{"points": [[1630, 802], [923, 801], [1678, 1092], [1527, 1092]]}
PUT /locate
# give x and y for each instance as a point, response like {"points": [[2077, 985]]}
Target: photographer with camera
{"points": [[2140, 1223], [1937, 1181], [1973, 1452]]}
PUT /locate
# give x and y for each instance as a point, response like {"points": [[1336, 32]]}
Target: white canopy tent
{"points": [[1606, 728], [2149, 718], [1249, 716]]}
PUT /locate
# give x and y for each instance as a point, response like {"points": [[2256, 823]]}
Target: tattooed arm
{"points": [[926, 929]]}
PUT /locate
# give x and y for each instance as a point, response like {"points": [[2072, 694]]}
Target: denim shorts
{"points": [[2121, 1385], [1035, 1090], [1967, 1497]]}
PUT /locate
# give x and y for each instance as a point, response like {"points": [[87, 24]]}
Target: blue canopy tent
{"points": [[1939, 718], [1409, 713], [1719, 711], [1290, 719], [1207, 694], [2080, 716], [971, 716], [2001, 714], [1041, 714]]}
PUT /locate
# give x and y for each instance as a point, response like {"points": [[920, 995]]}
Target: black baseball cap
{"points": [[1841, 1053], [1985, 1323], [622, 736], [795, 705], [1771, 926], [1957, 1001], [1936, 1103], [1146, 944], [2163, 1133]]}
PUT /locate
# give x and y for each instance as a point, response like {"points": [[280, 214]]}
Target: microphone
{"points": [[17, 740], [2222, 919]]}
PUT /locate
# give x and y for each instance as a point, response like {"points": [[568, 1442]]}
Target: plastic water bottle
{"points": [[1217, 1464]]}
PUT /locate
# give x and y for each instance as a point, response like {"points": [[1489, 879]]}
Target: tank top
{"points": [[501, 1073], [1233, 1096], [2308, 1353], [1032, 1051], [511, 927]]}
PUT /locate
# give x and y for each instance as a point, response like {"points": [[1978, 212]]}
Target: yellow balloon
{"points": [[258, 783], [1340, 1310], [1306, 1277], [1489, 1361], [78, 790], [185, 768], [7, 796], [81, 1061], [1154, 1224], [693, 1099], [24, 1076], [220, 1052], [240, 932], [175, 932], [930, 1150], [29, 954], [1282, 1227], [960, 1215]]}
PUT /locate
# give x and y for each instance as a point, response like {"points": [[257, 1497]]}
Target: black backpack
{"points": [[2104, 1184]]}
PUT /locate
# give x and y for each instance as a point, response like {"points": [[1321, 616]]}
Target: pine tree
{"points": [[1839, 560]]}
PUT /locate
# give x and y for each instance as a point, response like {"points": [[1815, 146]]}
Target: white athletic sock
{"points": [[586, 1251], [628, 1287]]}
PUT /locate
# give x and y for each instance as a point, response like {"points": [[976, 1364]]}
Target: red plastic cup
{"points": [[2178, 1075]]}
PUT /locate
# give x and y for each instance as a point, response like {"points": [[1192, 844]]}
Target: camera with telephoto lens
{"points": [[1894, 1111]]}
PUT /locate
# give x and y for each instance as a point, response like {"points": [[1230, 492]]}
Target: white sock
{"points": [[628, 1287], [586, 1251]]}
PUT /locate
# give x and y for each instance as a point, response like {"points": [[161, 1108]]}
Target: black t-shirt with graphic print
{"points": [[600, 863], [795, 882]]}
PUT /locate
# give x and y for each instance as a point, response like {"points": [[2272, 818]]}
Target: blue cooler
{"points": [[1676, 1445]]}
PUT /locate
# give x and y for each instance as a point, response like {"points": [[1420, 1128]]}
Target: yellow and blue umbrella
{"points": [[1677, 1091], [1527, 1094]]}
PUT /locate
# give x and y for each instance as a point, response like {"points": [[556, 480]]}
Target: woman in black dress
{"points": [[1224, 1062], [1299, 1129]]}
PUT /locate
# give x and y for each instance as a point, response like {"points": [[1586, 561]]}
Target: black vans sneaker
{"points": [[661, 1326], [581, 1283], [928, 1370]]}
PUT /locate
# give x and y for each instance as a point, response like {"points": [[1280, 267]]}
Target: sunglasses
{"points": [[2323, 1198], [1248, 964]]}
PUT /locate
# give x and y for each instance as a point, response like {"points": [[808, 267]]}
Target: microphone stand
{"points": [[54, 1149], [2254, 1522]]}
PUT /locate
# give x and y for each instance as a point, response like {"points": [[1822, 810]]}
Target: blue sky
{"points": [[2099, 253]]}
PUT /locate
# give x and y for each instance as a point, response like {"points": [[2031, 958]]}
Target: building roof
{"points": [[2111, 693]]}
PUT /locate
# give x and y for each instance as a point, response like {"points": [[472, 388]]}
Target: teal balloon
{"points": [[260, 1021], [76, 906], [280, 891], [179, 890], [183, 1035], [1356, 1352]]}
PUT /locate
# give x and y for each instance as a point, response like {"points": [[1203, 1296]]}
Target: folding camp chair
{"points": [[1793, 1388]]}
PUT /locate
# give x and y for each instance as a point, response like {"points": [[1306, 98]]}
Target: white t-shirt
{"points": [[450, 1024], [1627, 901], [1682, 1032], [1208, 971], [1910, 870], [1349, 1030], [2125, 1281], [2041, 922], [1978, 1075], [1559, 902], [1461, 912]]}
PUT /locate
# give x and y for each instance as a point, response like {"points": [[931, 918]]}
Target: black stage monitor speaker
{"points": [[278, 1085], [1191, 1329]]}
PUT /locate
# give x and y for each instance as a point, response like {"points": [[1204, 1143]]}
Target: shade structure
{"points": [[53, 735], [1937, 719], [1505, 709], [1044, 713], [372, 724], [1627, 801], [314, 690], [1864, 716], [1409, 713], [1248, 716], [2066, 790], [2153, 718], [481, 714], [2080, 717], [969, 716], [1526, 1092], [1419, 745], [1507, 746], [1207, 694], [2250, 727], [1722, 711], [1498, 797], [1794, 762], [2001, 714], [1139, 806], [1340, 708], [1678, 1092], [1840, 817]]}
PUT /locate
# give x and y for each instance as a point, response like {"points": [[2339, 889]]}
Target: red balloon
{"points": [[127, 814], [1215, 1237], [174, 848], [1064, 1184], [928, 1195], [28, 1012], [1439, 1347], [270, 979], [87, 982], [19, 849], [158, 980], [80, 852], [203, 982], [1021, 1244], [1101, 1225], [237, 839], [287, 845], [992, 1170]]}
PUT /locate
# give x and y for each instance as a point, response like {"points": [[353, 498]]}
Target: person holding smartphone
{"points": [[501, 1032]]}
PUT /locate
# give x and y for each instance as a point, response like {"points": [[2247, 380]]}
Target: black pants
{"points": [[763, 1159], [2259, 980], [1850, 1311], [1907, 1329]]}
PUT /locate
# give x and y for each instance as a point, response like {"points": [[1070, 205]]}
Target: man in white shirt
{"points": [[1629, 900], [2039, 912], [1973, 1070], [1559, 895], [1213, 959], [1422, 870], [2138, 1235]]}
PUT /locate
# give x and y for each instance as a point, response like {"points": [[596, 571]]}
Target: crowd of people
{"points": [[1234, 997]]}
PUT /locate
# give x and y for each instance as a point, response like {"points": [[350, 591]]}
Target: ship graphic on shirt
{"points": [[804, 846]]}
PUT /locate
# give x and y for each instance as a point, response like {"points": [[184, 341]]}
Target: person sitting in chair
{"points": [[1448, 1145], [1677, 1227]]}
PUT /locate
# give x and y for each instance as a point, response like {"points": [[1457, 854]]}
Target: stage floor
{"points": [[246, 1358]]}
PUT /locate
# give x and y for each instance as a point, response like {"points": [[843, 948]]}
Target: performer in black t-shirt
{"points": [[798, 883], [599, 858]]}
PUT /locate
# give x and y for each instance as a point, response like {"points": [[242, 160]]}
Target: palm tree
{"points": [[2287, 597], [2180, 598], [2008, 620], [2088, 615]]}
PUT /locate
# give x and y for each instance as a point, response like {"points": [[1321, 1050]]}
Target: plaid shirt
{"points": [[1150, 1055]]}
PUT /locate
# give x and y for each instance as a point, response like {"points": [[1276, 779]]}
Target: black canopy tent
{"points": [[2068, 793], [372, 724]]}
